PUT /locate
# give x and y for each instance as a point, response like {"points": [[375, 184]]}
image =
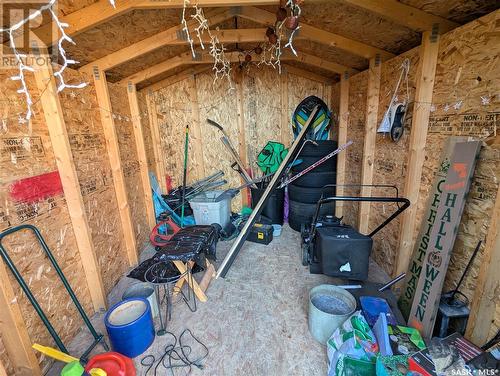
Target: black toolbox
{"points": [[261, 233]]}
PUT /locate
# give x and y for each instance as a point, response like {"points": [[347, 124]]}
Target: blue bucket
{"points": [[130, 327]]}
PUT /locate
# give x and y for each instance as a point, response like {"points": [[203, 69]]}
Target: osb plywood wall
{"points": [[358, 85], [26, 152], [214, 103], [467, 70], [146, 129], [130, 161], [261, 108], [174, 112], [28, 167], [390, 157], [88, 145]]}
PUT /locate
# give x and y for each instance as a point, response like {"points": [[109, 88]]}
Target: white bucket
{"points": [[143, 290]]}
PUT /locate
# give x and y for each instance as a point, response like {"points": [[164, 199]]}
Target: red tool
{"points": [[158, 239], [113, 363]]}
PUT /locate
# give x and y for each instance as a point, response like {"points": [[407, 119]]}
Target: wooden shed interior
{"points": [[79, 167]]}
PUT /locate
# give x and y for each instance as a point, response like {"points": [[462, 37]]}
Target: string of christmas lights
{"points": [[21, 58]]}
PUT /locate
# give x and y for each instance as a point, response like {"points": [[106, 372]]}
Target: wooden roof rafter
{"points": [[316, 35], [173, 36], [101, 11], [234, 57], [404, 15]]}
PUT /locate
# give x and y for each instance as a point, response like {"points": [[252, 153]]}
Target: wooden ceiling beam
{"points": [[102, 11], [234, 57], [183, 59], [171, 36], [316, 35], [317, 62], [403, 14]]}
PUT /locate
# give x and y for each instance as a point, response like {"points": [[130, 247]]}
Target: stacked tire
{"points": [[304, 193]]}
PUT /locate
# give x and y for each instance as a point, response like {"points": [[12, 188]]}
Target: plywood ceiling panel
{"points": [[312, 69], [331, 54], [361, 25], [70, 6], [461, 11], [165, 75], [145, 61], [121, 32]]}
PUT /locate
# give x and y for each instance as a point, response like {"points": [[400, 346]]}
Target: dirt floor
{"points": [[255, 320]]}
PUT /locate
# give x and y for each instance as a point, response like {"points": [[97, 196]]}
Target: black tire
{"points": [[324, 147], [308, 195], [296, 223], [328, 165], [302, 213], [316, 179]]}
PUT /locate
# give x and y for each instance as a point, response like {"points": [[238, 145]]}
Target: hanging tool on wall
{"points": [[238, 163], [184, 174], [394, 118], [98, 338]]}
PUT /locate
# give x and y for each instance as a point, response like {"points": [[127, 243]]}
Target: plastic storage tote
{"points": [[207, 210]]}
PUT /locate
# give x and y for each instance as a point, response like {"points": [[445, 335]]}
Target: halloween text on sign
{"points": [[442, 236]]}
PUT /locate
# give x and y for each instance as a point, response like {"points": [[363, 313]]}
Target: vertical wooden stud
{"points": [[418, 137], [341, 158], [369, 143], [2, 369], [195, 129], [327, 95], [141, 152], [242, 144], [286, 133], [485, 297], [101, 87], [14, 333], [64, 158], [156, 139]]}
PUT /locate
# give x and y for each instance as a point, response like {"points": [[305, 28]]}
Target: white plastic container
{"points": [[206, 211]]}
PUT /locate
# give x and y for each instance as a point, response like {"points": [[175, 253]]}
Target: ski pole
{"points": [[314, 165]]}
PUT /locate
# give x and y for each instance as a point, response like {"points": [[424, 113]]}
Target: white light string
{"points": [[21, 58], [64, 38], [185, 27], [221, 66], [290, 41]]}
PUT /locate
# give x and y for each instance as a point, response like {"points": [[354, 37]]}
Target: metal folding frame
{"points": [[98, 338]]}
